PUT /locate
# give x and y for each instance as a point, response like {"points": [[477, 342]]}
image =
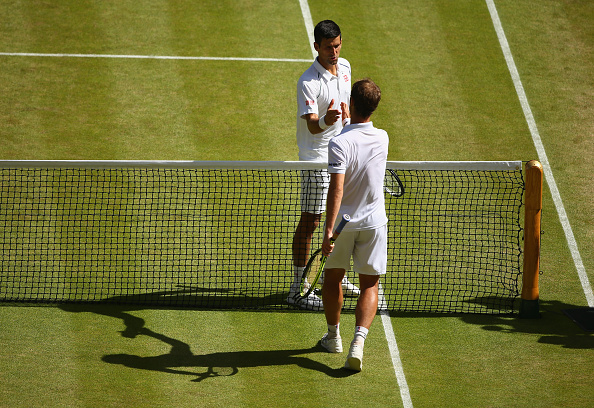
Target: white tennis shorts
{"points": [[368, 248], [314, 189]]}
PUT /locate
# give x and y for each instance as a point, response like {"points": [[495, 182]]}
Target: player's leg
{"points": [[303, 236], [332, 289], [332, 294], [314, 186], [301, 249], [333, 300], [367, 303], [370, 259], [313, 190], [364, 315]]}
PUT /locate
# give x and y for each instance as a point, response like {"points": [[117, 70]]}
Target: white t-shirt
{"points": [[360, 152], [315, 90]]}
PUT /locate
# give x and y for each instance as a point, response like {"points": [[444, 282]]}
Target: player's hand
{"points": [[345, 111], [327, 247], [332, 115]]}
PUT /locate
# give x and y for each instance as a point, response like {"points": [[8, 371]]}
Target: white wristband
{"points": [[346, 122], [322, 123]]}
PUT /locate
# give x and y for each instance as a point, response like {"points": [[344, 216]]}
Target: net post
{"points": [[529, 306]]}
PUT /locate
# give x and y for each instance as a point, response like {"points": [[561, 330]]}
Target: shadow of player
{"points": [[182, 361]]}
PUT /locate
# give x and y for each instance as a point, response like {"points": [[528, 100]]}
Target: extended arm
{"points": [[330, 118], [332, 208]]}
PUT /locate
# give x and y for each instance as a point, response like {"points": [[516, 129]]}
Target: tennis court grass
{"points": [[111, 356], [447, 95]]}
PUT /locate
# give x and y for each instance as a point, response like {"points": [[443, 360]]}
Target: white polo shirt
{"points": [[360, 152], [315, 89]]}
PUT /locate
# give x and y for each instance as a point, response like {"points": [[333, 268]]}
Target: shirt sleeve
{"points": [[307, 98], [336, 158]]}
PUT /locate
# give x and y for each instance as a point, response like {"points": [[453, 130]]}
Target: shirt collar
{"points": [[360, 125], [324, 72]]}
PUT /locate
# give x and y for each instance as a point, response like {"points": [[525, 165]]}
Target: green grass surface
{"points": [[447, 95]]}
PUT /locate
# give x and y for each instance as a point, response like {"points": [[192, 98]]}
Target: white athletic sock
{"points": [[360, 334], [333, 331]]}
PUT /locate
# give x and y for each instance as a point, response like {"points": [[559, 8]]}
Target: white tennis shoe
{"points": [[332, 345], [354, 359], [311, 302]]}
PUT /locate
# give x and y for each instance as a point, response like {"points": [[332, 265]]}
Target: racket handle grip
{"points": [[345, 218]]}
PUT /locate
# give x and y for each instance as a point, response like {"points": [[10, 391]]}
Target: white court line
{"points": [[154, 57], [382, 305], [309, 26], [393, 347], [396, 362], [542, 156]]}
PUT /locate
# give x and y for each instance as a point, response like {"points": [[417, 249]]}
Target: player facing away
{"points": [[323, 94], [357, 164]]}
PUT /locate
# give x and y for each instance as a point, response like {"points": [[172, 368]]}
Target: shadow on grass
{"points": [[553, 326], [181, 360], [191, 296]]}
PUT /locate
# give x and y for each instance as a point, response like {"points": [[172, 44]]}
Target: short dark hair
{"points": [[326, 29], [365, 97]]}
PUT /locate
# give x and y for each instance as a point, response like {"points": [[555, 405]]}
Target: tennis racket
{"points": [[315, 266], [393, 185]]}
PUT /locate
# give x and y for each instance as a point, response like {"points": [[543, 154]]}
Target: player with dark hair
{"points": [[323, 95]]}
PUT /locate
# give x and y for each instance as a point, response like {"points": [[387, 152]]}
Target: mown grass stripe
{"points": [[542, 155]]}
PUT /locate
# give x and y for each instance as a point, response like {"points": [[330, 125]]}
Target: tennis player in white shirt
{"points": [[323, 94], [357, 165]]}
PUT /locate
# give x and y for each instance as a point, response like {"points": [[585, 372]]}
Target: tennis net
{"points": [[218, 234]]}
